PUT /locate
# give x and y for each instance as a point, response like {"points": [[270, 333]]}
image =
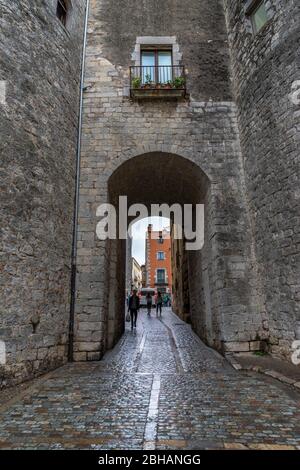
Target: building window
{"points": [[161, 276], [160, 255], [156, 65], [62, 11], [258, 15], [160, 240], [157, 72]]}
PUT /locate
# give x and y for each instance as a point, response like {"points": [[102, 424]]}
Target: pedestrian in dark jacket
{"points": [[159, 302], [149, 303], [133, 308]]}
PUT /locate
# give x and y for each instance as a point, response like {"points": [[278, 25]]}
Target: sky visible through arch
{"points": [[139, 235]]}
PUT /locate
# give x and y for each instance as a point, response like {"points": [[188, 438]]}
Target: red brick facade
{"points": [[158, 260]]}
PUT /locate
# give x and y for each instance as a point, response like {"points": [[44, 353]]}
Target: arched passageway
{"points": [[219, 275], [155, 178]]}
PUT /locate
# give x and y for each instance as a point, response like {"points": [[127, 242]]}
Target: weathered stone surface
{"points": [[256, 346], [148, 394], [265, 68], [236, 346], [233, 145], [189, 151], [40, 63]]}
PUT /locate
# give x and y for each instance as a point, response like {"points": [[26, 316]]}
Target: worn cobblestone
{"points": [[201, 401]]}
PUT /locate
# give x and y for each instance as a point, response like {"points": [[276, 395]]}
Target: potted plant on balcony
{"points": [[168, 84], [148, 81], [136, 82], [178, 82]]}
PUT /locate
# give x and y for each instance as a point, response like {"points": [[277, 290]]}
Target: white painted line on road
{"points": [[150, 434]]}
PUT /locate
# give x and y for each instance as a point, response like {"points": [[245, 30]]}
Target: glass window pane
{"points": [[260, 17], [148, 58], [165, 63], [148, 63], [160, 275], [164, 58]]}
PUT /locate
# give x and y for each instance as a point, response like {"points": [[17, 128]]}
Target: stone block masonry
{"points": [[40, 67], [232, 145], [265, 67], [202, 132]]}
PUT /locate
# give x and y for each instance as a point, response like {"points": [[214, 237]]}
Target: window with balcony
{"points": [[156, 66], [157, 76], [161, 276], [160, 255]]}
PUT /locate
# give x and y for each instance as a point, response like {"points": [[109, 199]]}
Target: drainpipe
{"points": [[76, 198]]}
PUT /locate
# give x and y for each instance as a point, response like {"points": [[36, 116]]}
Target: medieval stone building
{"points": [[225, 133]]}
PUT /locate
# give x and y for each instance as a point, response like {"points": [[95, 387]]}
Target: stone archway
{"points": [[220, 275], [152, 178]]}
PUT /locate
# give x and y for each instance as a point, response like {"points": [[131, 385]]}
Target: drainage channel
{"points": [[179, 365]]}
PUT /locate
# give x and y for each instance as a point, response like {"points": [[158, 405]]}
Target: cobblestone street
{"points": [[160, 388]]}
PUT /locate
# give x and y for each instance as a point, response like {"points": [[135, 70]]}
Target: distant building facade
{"points": [[136, 277], [158, 260], [144, 275]]}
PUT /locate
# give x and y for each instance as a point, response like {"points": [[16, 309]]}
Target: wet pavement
{"points": [[160, 388]]}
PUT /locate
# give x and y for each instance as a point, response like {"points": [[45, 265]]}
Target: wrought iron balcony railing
{"points": [[158, 81], [161, 282]]}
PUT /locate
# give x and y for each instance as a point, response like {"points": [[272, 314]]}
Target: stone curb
{"points": [[271, 373]]}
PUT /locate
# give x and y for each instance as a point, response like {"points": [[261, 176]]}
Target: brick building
{"points": [[144, 275], [158, 260]]}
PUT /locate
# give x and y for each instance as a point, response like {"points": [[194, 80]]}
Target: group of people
{"points": [[158, 303], [134, 305]]}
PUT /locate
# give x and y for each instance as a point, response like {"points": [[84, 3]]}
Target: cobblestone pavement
{"points": [[162, 388]]}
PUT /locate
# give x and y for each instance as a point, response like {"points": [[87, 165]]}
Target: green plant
{"points": [[136, 82], [148, 79], [260, 353], [178, 82]]}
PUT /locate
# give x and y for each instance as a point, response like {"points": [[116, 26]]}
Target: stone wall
{"points": [[128, 265], [236, 150], [264, 68], [189, 151], [180, 278], [40, 65]]}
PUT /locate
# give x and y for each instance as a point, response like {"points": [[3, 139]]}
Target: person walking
{"points": [[133, 308], [149, 303], [159, 301]]}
